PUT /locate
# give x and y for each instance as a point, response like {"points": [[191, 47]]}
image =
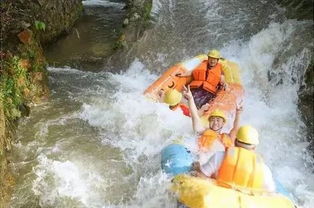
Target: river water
{"points": [[97, 142]]}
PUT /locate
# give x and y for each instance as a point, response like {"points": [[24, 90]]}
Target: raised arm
{"points": [[196, 120], [236, 122]]}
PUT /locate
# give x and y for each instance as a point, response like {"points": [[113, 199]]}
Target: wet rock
{"points": [[25, 109], [136, 22], [25, 25], [126, 22], [25, 36], [135, 17]]}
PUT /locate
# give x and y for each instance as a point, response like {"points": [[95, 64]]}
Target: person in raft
{"points": [[207, 78], [240, 166], [211, 139], [173, 98]]}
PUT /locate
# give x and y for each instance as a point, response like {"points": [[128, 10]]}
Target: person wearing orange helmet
{"points": [[207, 78], [240, 166]]}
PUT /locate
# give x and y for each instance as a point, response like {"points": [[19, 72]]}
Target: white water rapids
{"points": [[97, 142]]}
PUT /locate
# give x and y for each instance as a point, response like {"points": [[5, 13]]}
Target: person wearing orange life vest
{"points": [[239, 167], [211, 139], [206, 79]]}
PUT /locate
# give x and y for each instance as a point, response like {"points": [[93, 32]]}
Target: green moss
{"points": [[147, 8], [120, 43], [13, 80]]}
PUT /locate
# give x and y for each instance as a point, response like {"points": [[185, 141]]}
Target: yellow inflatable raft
{"points": [[226, 100], [204, 193]]}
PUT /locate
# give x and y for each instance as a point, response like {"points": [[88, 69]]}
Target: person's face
{"points": [[216, 123], [212, 61]]}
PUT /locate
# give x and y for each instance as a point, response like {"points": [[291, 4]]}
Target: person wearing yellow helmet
{"points": [[240, 166], [173, 98], [217, 118], [211, 138], [207, 78]]}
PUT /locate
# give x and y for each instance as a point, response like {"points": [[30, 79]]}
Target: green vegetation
{"points": [[40, 25], [13, 83], [120, 43], [147, 8]]}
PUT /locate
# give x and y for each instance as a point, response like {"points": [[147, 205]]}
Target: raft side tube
{"points": [[195, 192]]}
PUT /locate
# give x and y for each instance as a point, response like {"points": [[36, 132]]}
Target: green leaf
{"points": [[40, 25]]}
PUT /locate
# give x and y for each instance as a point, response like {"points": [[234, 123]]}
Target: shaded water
{"points": [[96, 143], [92, 39]]}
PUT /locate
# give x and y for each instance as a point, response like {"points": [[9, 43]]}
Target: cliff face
{"points": [[26, 25]]}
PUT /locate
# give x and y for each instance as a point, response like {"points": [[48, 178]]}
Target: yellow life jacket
{"points": [[209, 136], [241, 168]]}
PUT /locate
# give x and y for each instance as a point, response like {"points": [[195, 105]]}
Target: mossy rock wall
{"points": [[135, 23], [58, 16], [26, 25]]}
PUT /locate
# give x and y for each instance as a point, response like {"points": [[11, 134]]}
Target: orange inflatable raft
{"points": [[226, 100]]}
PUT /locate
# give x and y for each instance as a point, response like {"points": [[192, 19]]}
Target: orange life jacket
{"points": [[241, 168], [209, 136], [206, 78]]}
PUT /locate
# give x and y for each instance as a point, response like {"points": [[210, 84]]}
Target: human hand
{"points": [[194, 173], [196, 166], [161, 93], [205, 107], [239, 107], [187, 92], [224, 85], [179, 75]]}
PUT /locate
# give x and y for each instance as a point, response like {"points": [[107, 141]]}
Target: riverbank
{"points": [[27, 26]]}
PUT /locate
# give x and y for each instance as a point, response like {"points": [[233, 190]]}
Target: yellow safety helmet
{"points": [[248, 135], [172, 97], [214, 54], [218, 113]]}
